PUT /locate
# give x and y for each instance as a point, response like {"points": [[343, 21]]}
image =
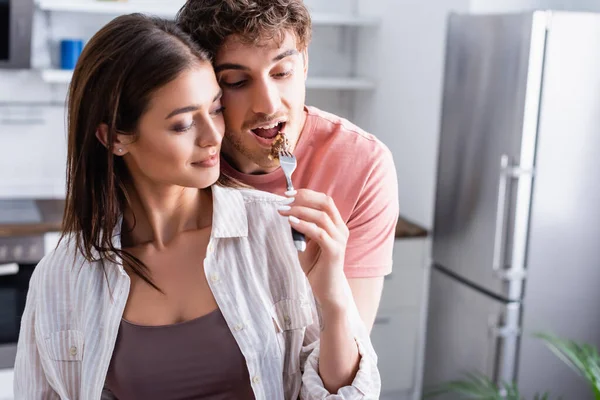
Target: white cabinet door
{"points": [[394, 337], [6, 384], [403, 288], [33, 153], [397, 333]]}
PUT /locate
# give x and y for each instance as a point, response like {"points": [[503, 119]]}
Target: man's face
{"points": [[263, 94]]}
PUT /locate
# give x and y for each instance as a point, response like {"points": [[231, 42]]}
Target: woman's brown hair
{"points": [[119, 69]]}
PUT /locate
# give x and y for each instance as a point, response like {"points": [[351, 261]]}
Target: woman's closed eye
{"points": [[218, 111], [183, 127]]}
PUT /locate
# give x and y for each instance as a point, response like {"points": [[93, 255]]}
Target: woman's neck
{"points": [[157, 215]]}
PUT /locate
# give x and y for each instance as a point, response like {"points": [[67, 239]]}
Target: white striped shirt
{"points": [[74, 309]]}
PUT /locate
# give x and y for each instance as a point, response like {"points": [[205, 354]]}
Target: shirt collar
{"points": [[229, 213]]}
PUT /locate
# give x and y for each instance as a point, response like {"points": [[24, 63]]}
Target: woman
{"points": [[170, 282]]}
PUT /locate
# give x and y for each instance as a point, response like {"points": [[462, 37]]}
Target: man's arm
{"points": [[372, 228], [367, 295]]}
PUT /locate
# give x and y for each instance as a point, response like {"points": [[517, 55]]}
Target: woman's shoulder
{"points": [[57, 267], [52, 262]]}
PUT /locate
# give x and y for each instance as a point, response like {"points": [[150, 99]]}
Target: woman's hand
{"points": [[316, 216]]}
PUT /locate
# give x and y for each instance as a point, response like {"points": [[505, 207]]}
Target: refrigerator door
{"points": [[487, 146], [468, 331], [563, 277]]}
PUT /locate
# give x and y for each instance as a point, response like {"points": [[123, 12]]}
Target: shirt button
{"points": [[287, 320], [238, 327], [73, 351], [256, 379], [215, 278]]}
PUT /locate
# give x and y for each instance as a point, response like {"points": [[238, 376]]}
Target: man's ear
{"points": [[305, 60], [119, 148]]}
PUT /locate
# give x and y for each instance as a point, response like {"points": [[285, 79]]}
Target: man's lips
{"points": [[267, 138], [268, 125], [268, 130]]}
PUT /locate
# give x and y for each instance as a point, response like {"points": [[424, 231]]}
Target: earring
{"points": [[120, 150]]}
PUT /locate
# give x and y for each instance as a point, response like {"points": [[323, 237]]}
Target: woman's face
{"points": [[179, 135]]}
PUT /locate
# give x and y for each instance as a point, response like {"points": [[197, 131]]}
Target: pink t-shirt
{"points": [[357, 170]]}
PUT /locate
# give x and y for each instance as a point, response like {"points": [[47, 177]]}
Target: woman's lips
{"points": [[208, 163]]}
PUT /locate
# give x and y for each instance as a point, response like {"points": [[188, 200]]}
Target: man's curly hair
{"points": [[210, 22]]}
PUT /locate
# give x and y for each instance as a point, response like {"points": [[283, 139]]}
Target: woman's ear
{"points": [[119, 148]]}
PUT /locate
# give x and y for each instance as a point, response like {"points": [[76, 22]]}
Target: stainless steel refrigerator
{"points": [[516, 242]]}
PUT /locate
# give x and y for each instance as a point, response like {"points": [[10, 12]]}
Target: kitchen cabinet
{"points": [[6, 384], [342, 37], [397, 334], [33, 151]]}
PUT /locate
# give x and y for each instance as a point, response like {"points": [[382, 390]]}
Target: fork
{"points": [[288, 165]]}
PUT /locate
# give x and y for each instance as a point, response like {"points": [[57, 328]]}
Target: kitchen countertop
{"points": [[406, 229], [52, 210]]}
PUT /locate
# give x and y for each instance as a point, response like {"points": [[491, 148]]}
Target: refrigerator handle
{"points": [[503, 337], [507, 173], [499, 234], [492, 351]]}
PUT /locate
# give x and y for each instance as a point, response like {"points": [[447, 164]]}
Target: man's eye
{"points": [[233, 85], [283, 74]]}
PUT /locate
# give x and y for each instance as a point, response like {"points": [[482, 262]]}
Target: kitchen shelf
{"points": [[165, 10], [343, 20], [332, 83], [108, 7], [56, 75], [325, 83]]}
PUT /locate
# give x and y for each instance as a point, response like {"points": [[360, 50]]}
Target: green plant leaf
{"points": [[582, 358], [475, 386]]}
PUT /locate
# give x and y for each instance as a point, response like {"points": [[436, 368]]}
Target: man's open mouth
{"points": [[269, 131]]}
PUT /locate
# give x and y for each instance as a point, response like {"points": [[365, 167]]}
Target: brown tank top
{"points": [[196, 359]]}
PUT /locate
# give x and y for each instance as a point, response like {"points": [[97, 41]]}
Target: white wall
{"points": [[405, 56], [488, 6]]}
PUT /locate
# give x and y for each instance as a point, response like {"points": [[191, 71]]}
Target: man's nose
{"points": [[266, 99]]}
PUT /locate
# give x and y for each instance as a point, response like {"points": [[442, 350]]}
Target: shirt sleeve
{"points": [[366, 383], [30, 380], [372, 223]]}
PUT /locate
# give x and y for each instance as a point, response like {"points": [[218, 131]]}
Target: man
{"points": [[259, 50]]}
